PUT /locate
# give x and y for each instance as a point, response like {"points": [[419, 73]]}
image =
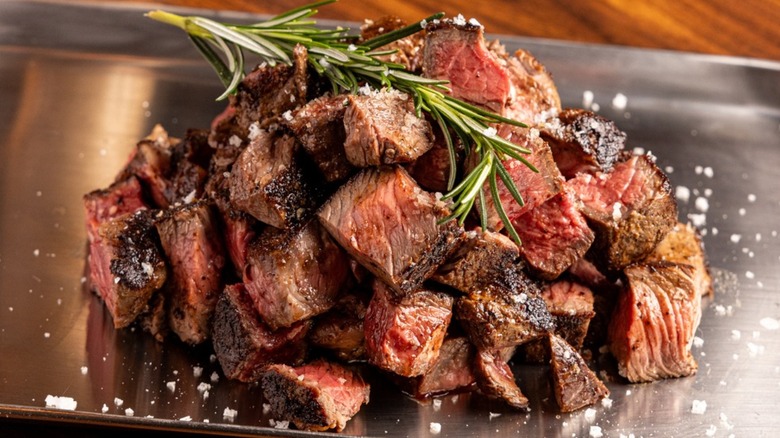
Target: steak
{"points": [[294, 275], [432, 169], [451, 370], [125, 263], [317, 396], [571, 307], [319, 127], [154, 318], [340, 330], [407, 51], [583, 142], [654, 322], [268, 182], [192, 242], [389, 225], [483, 258], [244, 344], [455, 51], [496, 318], [240, 230], [496, 380], [122, 197], [683, 245], [534, 187], [404, 335], [575, 385], [631, 209], [150, 163], [534, 98], [554, 235], [382, 128]]}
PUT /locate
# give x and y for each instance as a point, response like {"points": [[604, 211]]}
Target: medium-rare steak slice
{"points": [[192, 242], [126, 266], [450, 372], [583, 142], [455, 51], [319, 126], [496, 380], [317, 396], [340, 330], [684, 245], [382, 128], [244, 344], [268, 182], [654, 322], [631, 209], [571, 307], [389, 225], [554, 235], [534, 187], [296, 274], [404, 335], [122, 197], [496, 318], [240, 230], [268, 92], [483, 258], [574, 383]]}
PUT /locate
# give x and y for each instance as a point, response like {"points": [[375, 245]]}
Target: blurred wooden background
{"points": [[726, 27]]}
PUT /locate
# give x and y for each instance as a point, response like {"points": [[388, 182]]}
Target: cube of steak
{"points": [[583, 142], [654, 322], [631, 209], [385, 221], [497, 318], [496, 380], [450, 372], [340, 330], [154, 318], [317, 396], [268, 92], [432, 169], [406, 51], [554, 235], [575, 385], [319, 126], [404, 335], [483, 258], [382, 128], [684, 245], [534, 187], [192, 242], [122, 197], [244, 344], [458, 53], [268, 182], [189, 167], [571, 307], [240, 230], [126, 266], [150, 163], [294, 275], [534, 98]]}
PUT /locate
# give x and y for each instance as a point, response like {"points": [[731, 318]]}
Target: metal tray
{"points": [[80, 84]]}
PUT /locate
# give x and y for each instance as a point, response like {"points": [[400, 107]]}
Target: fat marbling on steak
{"points": [[386, 222]]}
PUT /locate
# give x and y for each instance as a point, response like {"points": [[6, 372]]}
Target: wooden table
{"points": [[726, 27]]}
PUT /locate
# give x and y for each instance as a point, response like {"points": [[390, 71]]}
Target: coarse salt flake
{"points": [[682, 193], [735, 238], [65, 403], [187, 418], [203, 386], [437, 404], [616, 213], [84, 370], [751, 198], [229, 414], [699, 407], [595, 432], [736, 334], [129, 412], [708, 172], [435, 428], [118, 401], [697, 220], [214, 377], [606, 402], [587, 98], [104, 409], [711, 431], [279, 424], [590, 415], [197, 371], [459, 20], [171, 386], [769, 323], [702, 204], [490, 132], [698, 342], [619, 101], [36, 252]]}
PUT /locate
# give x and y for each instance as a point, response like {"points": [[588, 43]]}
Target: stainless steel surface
{"points": [[79, 85]]}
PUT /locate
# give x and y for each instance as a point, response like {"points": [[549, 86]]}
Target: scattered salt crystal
{"points": [[751, 198], [490, 132], [493, 415], [720, 310], [755, 349], [47, 335], [187, 418], [324, 62], [708, 192], [235, 140], [104, 409], [10, 309], [65, 403], [724, 421], [129, 412], [474, 22], [702, 204], [214, 377], [628, 392], [435, 428], [697, 220], [714, 231], [287, 115], [229, 414], [590, 415], [699, 407], [171, 386], [697, 341], [279, 424], [735, 335], [197, 371], [118, 401], [606, 402], [213, 358], [365, 90], [116, 280], [711, 430], [36, 252], [735, 238], [353, 47], [616, 214], [669, 169], [266, 408], [619, 101], [587, 99], [459, 20], [750, 274], [769, 323], [423, 23], [254, 130], [639, 150], [698, 170], [437, 404], [595, 432], [84, 370], [708, 172], [203, 386]]}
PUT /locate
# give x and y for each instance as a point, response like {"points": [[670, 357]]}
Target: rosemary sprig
{"points": [[348, 64]]}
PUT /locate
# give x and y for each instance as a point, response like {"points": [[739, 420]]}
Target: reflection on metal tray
{"points": [[80, 84]]}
